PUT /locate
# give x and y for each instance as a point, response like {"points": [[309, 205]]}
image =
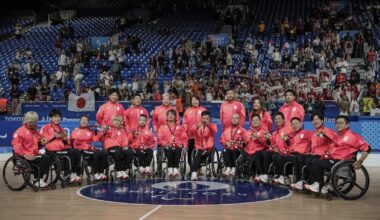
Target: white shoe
{"points": [[73, 177], [194, 176], [276, 180], [78, 179], [141, 170], [200, 172], [284, 180], [125, 174], [298, 185], [256, 179], [227, 172], [119, 174], [147, 170], [264, 178], [41, 183], [175, 172], [97, 176], [324, 190], [103, 176], [232, 172], [170, 171], [314, 187]]}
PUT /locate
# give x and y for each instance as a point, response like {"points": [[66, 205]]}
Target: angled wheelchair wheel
{"points": [[348, 183], [160, 158], [16, 173], [54, 170], [182, 163], [217, 164]]}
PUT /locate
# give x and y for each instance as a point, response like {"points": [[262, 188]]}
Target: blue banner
{"points": [[219, 39], [97, 42], [347, 33], [69, 124]]}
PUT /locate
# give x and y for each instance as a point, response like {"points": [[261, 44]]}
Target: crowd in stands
{"points": [[308, 56]]}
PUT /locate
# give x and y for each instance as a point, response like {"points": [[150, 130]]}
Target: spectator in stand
{"points": [[3, 105]]}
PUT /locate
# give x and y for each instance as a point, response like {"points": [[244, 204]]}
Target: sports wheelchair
{"points": [[161, 159], [345, 182], [18, 172], [208, 162], [87, 167], [244, 167], [64, 162]]}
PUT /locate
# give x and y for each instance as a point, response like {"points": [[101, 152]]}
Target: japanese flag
{"points": [[83, 103]]}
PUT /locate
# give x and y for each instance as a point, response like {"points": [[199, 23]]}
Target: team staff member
{"points": [[82, 139], [110, 109], [266, 119], [159, 116], [291, 108], [230, 107], [192, 116], [346, 144], [142, 142], [57, 142], [133, 113], [321, 141], [277, 146], [256, 143], [203, 133], [298, 143], [25, 144], [172, 137], [115, 142], [233, 140]]}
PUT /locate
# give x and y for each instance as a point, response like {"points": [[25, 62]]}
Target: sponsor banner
{"points": [[219, 39], [97, 42]]}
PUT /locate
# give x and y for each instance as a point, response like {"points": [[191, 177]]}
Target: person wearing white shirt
{"points": [[62, 60], [28, 68], [276, 59], [79, 47], [370, 74]]}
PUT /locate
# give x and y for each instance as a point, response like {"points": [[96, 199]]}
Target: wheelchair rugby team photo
{"points": [[169, 109]]}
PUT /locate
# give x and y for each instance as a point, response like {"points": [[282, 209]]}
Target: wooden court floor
{"points": [[66, 204]]}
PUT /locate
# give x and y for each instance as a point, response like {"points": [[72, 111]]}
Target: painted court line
{"points": [[150, 212]]}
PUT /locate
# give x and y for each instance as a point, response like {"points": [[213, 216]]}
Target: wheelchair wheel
{"points": [[182, 163], [16, 173], [55, 170], [88, 171], [160, 158], [348, 183], [217, 164]]}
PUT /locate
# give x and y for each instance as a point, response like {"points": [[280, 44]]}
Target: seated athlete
{"points": [[298, 143], [256, 143], [203, 133], [233, 141], [345, 146], [115, 142], [82, 139], [277, 146], [321, 141], [57, 142], [172, 137], [25, 144], [142, 142]]}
